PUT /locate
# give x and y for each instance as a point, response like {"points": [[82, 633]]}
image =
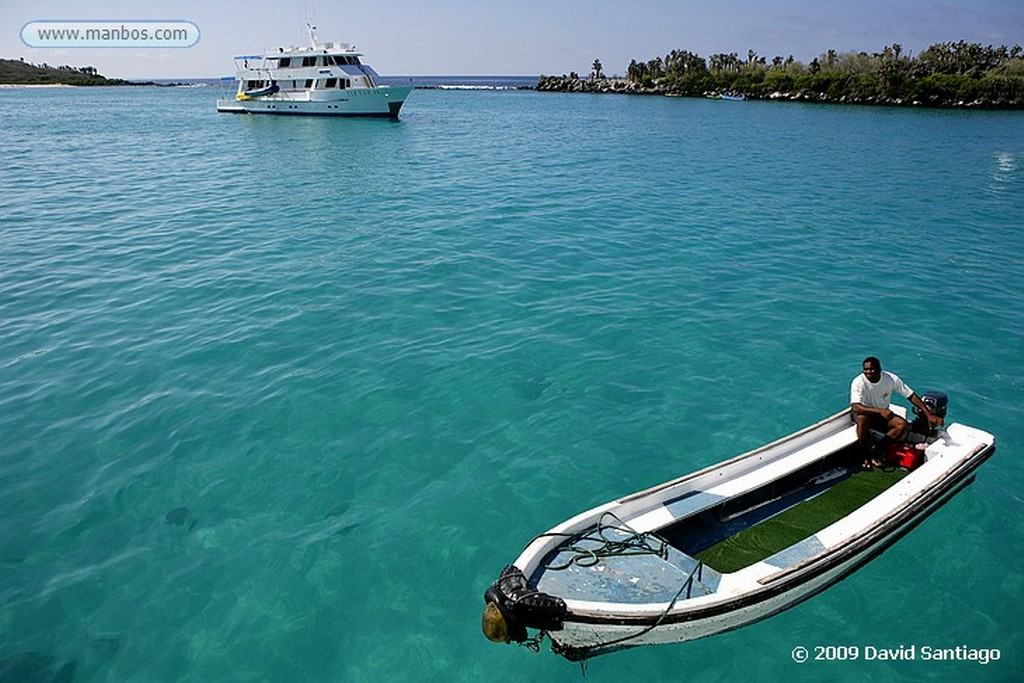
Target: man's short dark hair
{"points": [[872, 361]]}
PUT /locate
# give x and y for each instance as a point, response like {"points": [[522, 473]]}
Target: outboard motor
{"points": [[937, 403], [512, 606]]}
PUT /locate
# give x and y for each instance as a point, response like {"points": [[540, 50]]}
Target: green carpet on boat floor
{"points": [[797, 523]]}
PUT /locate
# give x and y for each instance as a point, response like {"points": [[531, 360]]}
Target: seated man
{"points": [[870, 394]]}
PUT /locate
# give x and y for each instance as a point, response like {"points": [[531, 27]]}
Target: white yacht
{"points": [[323, 79]]}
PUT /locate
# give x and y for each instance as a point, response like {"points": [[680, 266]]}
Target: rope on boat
{"points": [[585, 651], [630, 542], [633, 543], [533, 644]]}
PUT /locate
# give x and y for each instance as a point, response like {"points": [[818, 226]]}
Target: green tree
{"points": [[680, 63], [945, 74], [636, 71]]}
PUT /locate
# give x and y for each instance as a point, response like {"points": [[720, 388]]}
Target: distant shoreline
{"points": [[621, 86], [945, 75], [15, 72], [37, 85]]}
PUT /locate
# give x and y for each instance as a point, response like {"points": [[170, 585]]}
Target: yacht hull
{"points": [[379, 102]]}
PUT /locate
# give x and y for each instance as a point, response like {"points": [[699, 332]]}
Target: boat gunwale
{"points": [[733, 460]]}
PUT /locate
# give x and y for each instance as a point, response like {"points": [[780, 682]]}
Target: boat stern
{"points": [[512, 607]]}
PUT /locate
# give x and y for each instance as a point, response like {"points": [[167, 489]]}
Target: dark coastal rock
{"points": [[573, 84], [593, 85]]}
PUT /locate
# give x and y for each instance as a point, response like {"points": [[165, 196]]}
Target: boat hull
{"points": [[385, 102]]}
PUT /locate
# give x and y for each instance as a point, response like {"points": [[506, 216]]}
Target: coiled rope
{"points": [[629, 542], [583, 552]]}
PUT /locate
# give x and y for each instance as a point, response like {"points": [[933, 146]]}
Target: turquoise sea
{"points": [[279, 398]]}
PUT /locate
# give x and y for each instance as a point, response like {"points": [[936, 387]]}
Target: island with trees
{"points": [[20, 72], [957, 74]]}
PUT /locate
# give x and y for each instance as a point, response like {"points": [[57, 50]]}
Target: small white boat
{"points": [[322, 79], [728, 545], [734, 97]]}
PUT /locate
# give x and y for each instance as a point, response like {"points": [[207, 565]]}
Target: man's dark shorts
{"points": [[876, 422]]}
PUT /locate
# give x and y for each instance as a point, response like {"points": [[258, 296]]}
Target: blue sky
{"points": [[523, 37]]}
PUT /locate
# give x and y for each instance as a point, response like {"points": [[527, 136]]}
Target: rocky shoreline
{"points": [[622, 86]]}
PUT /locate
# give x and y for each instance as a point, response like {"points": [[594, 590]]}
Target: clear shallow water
{"points": [[280, 397]]}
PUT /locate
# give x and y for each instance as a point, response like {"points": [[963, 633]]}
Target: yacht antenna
{"points": [[309, 6]]}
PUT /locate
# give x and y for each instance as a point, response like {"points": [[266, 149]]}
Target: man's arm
{"points": [[933, 420], [861, 409]]}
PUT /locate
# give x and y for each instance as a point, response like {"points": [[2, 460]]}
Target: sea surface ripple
{"points": [[280, 397]]}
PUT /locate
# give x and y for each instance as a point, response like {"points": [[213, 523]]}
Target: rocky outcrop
{"points": [[623, 86], [594, 85]]}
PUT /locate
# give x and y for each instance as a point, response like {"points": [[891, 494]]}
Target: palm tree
{"points": [[636, 72], [597, 69]]}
